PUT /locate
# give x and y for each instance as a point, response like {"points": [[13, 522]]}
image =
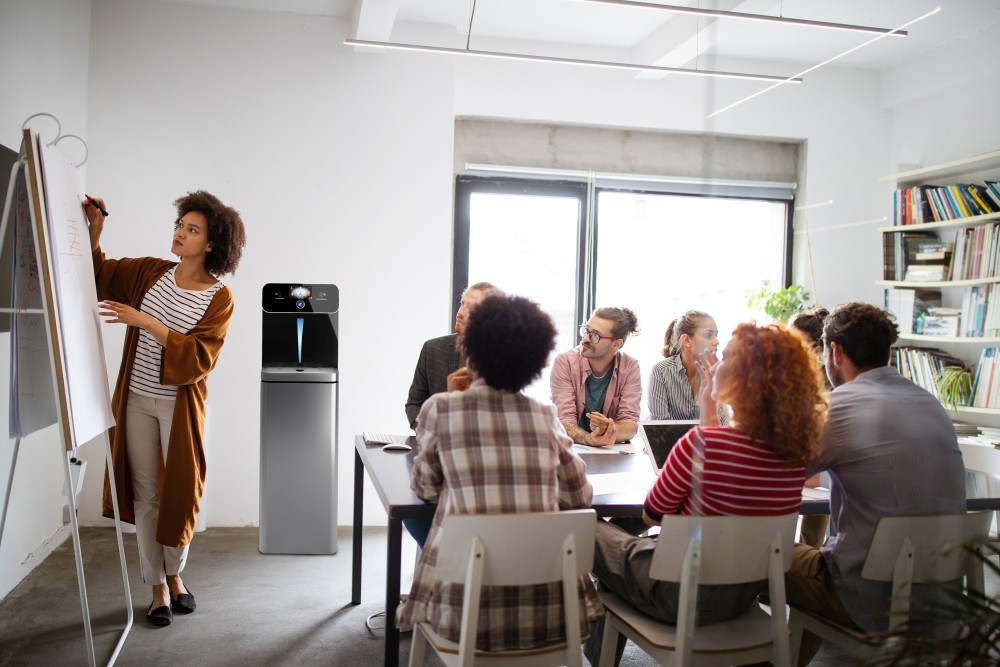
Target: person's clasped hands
{"points": [[603, 430]]}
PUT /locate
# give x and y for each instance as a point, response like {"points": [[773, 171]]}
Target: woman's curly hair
{"points": [[775, 389], [508, 340], [225, 230]]}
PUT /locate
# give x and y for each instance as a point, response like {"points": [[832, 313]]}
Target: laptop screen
{"points": [[660, 437]]}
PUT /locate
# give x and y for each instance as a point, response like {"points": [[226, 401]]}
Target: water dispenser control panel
{"points": [[300, 298]]}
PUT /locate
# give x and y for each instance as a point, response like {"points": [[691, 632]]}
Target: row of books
{"points": [[916, 256], [980, 312], [930, 203], [986, 380], [920, 311], [977, 253], [921, 365], [922, 256]]}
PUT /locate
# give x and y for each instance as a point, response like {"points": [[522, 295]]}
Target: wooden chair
{"points": [[696, 551], [511, 550], [905, 550]]}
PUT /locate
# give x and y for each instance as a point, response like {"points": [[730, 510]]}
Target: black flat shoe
{"points": [[160, 616], [184, 603]]}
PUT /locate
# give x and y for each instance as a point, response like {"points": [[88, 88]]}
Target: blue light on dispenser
{"points": [[300, 322]]}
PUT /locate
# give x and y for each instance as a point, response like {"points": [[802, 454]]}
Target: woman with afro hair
{"points": [[177, 314]]}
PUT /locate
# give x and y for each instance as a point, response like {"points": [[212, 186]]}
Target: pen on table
{"points": [[100, 208]]}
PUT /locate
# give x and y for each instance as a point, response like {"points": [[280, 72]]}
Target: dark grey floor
{"points": [[253, 609]]}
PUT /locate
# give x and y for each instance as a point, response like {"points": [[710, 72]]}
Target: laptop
{"points": [[661, 435]]}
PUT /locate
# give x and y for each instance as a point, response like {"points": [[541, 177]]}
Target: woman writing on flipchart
{"points": [[177, 315]]}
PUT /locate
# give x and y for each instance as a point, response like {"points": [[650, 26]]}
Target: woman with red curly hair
{"points": [[753, 466]]}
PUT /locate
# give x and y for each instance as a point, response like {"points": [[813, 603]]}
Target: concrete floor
{"points": [[253, 609]]}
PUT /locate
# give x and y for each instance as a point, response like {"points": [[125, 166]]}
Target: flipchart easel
{"points": [[28, 175]]}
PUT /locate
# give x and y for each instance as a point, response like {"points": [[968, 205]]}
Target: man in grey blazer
{"points": [[439, 358]]}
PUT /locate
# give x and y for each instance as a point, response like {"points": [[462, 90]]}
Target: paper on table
{"points": [[818, 493], [623, 448], [617, 482]]}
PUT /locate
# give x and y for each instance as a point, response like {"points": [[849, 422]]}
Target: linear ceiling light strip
{"points": [[571, 61], [675, 184], [825, 62], [721, 13]]}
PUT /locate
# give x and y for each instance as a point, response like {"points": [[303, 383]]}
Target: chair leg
{"points": [[417, 646], [609, 642], [795, 629]]}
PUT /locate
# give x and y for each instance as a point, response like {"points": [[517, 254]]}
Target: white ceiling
{"points": [[585, 29]]}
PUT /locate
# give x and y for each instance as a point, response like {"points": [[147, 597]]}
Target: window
{"points": [[576, 246]]}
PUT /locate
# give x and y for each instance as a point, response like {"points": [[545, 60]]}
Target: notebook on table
{"points": [[661, 435]]}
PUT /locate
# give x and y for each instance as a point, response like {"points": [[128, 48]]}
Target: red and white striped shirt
{"points": [[738, 477]]}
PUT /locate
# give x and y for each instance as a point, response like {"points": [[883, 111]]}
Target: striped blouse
{"points": [[180, 309], [670, 393], [738, 477]]}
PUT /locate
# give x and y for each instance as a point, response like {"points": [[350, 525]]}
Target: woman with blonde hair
{"points": [[754, 466]]}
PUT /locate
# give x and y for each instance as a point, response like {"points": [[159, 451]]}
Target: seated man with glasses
{"points": [[596, 387]]}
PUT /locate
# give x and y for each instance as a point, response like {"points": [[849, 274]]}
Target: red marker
{"points": [[100, 208]]}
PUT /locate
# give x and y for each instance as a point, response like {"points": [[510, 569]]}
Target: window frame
{"points": [[587, 240]]}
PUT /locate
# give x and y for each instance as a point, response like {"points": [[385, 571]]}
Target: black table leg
{"points": [[359, 494], [392, 573]]}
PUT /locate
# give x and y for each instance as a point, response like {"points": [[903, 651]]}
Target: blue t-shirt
{"points": [[597, 389]]}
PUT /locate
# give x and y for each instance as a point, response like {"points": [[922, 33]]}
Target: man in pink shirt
{"points": [[596, 387]]}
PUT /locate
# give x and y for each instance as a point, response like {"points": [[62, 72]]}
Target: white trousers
{"points": [[147, 432]]}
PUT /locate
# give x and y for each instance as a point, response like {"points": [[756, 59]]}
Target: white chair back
{"points": [[734, 548], [905, 550], [909, 550], [514, 550], [515, 545]]}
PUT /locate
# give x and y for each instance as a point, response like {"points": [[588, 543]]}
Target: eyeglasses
{"points": [[595, 337]]}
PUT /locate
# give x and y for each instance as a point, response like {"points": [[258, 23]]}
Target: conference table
{"points": [[620, 483]]}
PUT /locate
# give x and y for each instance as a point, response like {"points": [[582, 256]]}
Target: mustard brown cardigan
{"points": [[187, 361]]}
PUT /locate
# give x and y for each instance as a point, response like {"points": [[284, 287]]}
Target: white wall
{"points": [[835, 112], [43, 67], [341, 164]]}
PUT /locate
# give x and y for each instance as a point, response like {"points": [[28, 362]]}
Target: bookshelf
{"points": [[940, 208]]}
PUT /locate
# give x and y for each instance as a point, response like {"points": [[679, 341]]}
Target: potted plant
{"points": [[954, 386], [777, 303]]}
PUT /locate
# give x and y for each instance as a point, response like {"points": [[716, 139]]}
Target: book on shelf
{"points": [[977, 252], [939, 203], [965, 428], [985, 392], [993, 190], [941, 322], [923, 273], [947, 210], [900, 251], [957, 201], [907, 304], [921, 365], [983, 201], [940, 252], [900, 302]]}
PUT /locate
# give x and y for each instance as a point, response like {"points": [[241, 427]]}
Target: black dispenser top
{"points": [[300, 329], [300, 298]]}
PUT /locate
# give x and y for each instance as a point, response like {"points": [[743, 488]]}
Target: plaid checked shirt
{"points": [[486, 451]]}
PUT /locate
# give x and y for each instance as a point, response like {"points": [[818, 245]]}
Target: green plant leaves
{"points": [[778, 303]]}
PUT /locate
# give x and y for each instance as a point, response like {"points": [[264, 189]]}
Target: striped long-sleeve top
{"points": [[719, 470]]}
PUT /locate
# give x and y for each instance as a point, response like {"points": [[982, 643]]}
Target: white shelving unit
{"points": [[974, 169]]}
